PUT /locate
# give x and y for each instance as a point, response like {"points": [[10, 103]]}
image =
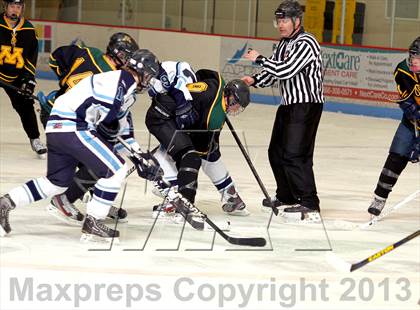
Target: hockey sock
{"points": [[392, 169], [217, 173], [83, 181], [167, 164], [34, 190], [189, 166]]}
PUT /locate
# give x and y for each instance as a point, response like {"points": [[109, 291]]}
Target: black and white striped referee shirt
{"points": [[297, 64]]}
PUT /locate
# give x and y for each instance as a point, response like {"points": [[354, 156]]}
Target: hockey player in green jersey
{"points": [[18, 58], [212, 99], [72, 63], [405, 146]]}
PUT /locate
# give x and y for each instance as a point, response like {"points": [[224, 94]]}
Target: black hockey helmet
{"points": [[414, 52], [120, 47], [14, 1], [146, 65], [237, 96], [7, 2], [414, 49], [289, 8]]}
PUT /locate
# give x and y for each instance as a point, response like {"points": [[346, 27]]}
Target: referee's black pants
{"points": [[291, 152]]}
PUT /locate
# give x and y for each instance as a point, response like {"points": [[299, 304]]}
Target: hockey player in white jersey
{"points": [[78, 131], [173, 79]]}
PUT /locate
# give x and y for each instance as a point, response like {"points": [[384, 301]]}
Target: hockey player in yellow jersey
{"points": [[18, 58]]}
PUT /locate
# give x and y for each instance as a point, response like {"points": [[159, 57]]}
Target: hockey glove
{"points": [[109, 131], [185, 115], [47, 101], [415, 151], [147, 166], [411, 110], [28, 86]]}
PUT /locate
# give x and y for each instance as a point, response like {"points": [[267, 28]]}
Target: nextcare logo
{"points": [[340, 60]]}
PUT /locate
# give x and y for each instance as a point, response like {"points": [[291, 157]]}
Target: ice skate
{"points": [[185, 210], [118, 213], [39, 148], [163, 209], [377, 205], [94, 230], [232, 203], [301, 214], [161, 188], [6, 204], [266, 205], [65, 211]]}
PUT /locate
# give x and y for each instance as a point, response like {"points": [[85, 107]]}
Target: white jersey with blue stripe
{"points": [[173, 79], [103, 97]]}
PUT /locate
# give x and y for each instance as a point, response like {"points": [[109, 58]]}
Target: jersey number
{"points": [[72, 79], [76, 78], [14, 58]]}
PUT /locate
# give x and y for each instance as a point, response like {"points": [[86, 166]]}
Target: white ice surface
{"points": [[349, 155]]}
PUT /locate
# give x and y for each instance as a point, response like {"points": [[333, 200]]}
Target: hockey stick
{"points": [[20, 91], [342, 265], [346, 225], [233, 240], [251, 166]]}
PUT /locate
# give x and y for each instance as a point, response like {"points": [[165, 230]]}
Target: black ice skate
{"points": [[118, 213], [377, 205], [39, 148], [232, 203], [62, 209], [266, 206], [301, 214], [6, 204], [94, 230], [190, 213]]}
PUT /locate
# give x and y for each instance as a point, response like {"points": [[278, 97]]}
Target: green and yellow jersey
{"points": [[18, 50]]}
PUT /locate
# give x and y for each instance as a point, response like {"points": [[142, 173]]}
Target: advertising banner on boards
{"points": [[361, 74]]}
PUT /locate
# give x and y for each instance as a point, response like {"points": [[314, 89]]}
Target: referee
{"points": [[296, 64]]}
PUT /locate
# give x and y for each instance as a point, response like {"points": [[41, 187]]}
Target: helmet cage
{"points": [[237, 97], [146, 66]]}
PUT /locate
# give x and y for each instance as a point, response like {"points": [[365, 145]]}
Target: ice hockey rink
{"points": [[165, 266]]}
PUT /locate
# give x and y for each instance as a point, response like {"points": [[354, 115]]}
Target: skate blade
{"points": [[269, 209], [296, 218], [3, 233], [179, 220], [89, 238], [65, 219], [243, 212], [42, 156]]}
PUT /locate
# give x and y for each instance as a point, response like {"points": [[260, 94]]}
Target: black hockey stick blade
{"points": [[384, 251], [258, 241], [251, 165]]}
